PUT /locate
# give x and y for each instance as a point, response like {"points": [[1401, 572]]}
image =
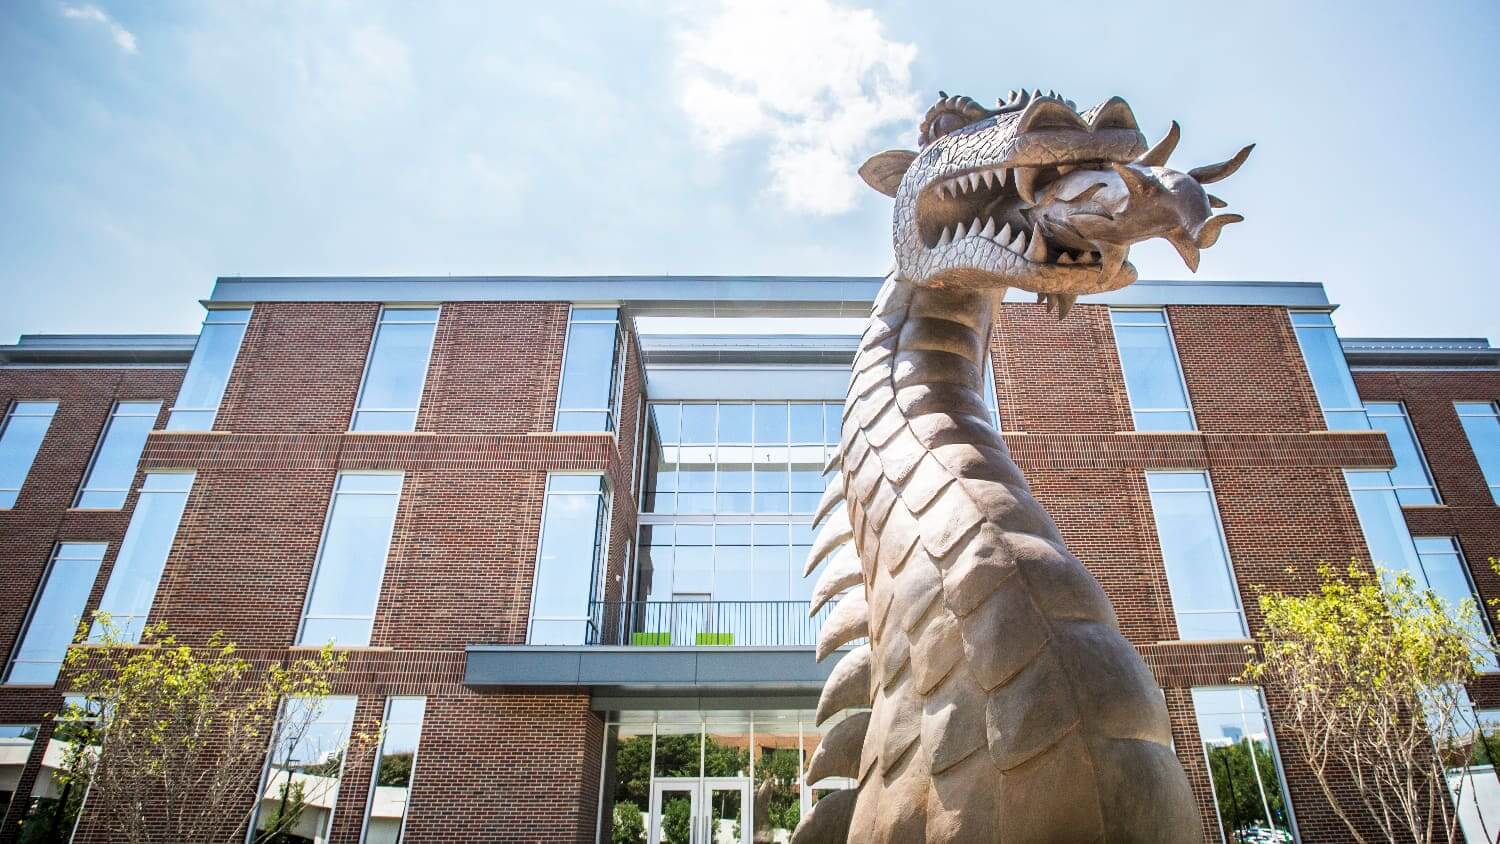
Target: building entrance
{"points": [[693, 810]]}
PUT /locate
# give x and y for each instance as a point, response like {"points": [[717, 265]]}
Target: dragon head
{"points": [[1036, 195]]}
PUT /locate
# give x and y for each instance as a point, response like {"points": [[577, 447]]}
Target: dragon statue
{"points": [[996, 699]]}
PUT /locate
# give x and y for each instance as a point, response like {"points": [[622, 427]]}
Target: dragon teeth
{"points": [[974, 228], [1018, 245], [1005, 234], [1026, 179], [1038, 251], [989, 228], [989, 178], [946, 238], [1064, 258]]}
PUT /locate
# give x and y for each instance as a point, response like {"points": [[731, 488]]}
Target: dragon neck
{"points": [[937, 337]]}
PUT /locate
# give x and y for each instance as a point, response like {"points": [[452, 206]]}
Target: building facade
{"points": [[559, 525]]}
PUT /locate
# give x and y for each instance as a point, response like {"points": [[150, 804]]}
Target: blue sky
{"points": [[146, 148]]}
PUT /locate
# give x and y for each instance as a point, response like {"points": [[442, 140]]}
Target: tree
{"points": [[171, 739], [629, 825], [1375, 670]]}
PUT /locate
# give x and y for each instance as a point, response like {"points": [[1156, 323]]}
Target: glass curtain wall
{"points": [[1412, 481], [1481, 424], [588, 397], [733, 775], [208, 373], [112, 469], [730, 488]]}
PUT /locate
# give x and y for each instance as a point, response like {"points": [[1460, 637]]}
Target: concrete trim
{"points": [[99, 349], [704, 295], [1420, 352], [691, 672]]}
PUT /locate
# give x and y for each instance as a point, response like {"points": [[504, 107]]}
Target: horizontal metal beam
{"points": [[713, 296], [677, 671], [99, 350]]}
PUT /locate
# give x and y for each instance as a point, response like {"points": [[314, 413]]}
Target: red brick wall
{"points": [[42, 516], [524, 765], [1468, 511]]}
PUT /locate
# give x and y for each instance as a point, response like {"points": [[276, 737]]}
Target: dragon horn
{"points": [[1186, 247], [1223, 170], [1157, 155], [1209, 232], [1135, 183]]}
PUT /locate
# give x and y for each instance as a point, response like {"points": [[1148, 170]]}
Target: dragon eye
{"points": [[949, 114]]}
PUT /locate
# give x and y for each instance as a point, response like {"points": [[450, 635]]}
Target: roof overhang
{"points": [[173, 350], [714, 296], [1421, 352], [617, 674]]}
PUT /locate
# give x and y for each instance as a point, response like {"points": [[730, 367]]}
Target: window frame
{"points": [[10, 413], [1292, 314], [617, 369], [1494, 413], [364, 376], [1114, 330], [36, 596], [114, 413], [312, 580], [233, 361], [1265, 714], [416, 753], [275, 739], [1230, 571], [1416, 443], [599, 580], [115, 568]]}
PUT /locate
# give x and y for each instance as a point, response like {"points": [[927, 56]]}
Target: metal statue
{"points": [[998, 700]]}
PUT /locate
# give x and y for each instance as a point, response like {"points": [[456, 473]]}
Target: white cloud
{"points": [[816, 80], [89, 13]]}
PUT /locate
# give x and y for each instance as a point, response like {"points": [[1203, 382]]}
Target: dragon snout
{"points": [[1128, 203]]}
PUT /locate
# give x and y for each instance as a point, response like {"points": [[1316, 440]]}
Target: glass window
{"points": [[303, 770], [1481, 421], [391, 390], [1249, 789], [589, 395], [740, 457], [1445, 572], [55, 801], [400, 733], [1383, 523], [1410, 478], [16, 741], [1199, 573], [1329, 371], [351, 562], [26, 423], [990, 393], [55, 613], [112, 470], [208, 373], [570, 559], [1153, 375], [143, 553]]}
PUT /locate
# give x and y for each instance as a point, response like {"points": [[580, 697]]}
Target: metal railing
{"points": [[696, 623]]}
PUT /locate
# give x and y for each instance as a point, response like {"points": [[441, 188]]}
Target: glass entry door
{"points": [[688, 810]]}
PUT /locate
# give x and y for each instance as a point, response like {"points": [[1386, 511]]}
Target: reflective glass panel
{"points": [[589, 389], [1447, 574], [304, 770], [112, 470], [400, 733], [351, 561], [1481, 422], [1199, 573], [1329, 371], [1410, 478], [26, 424], [208, 373], [1153, 376], [570, 559], [55, 613], [143, 554], [391, 390], [1242, 760]]}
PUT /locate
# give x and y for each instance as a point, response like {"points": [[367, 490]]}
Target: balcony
{"points": [[705, 623]]}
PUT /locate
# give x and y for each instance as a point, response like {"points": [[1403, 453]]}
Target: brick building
{"points": [[559, 524]]}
